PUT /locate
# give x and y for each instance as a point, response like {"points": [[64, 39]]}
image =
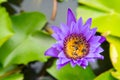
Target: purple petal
{"points": [[65, 29], [92, 49], [62, 61], [96, 53], [90, 55], [102, 39], [58, 35], [94, 30], [62, 55], [79, 25], [58, 45], [80, 22], [94, 45], [52, 52], [59, 66], [72, 63], [55, 36], [70, 17], [86, 26], [99, 50], [90, 33], [75, 61], [59, 61], [91, 60], [79, 62], [72, 28], [76, 29], [56, 29], [84, 63], [88, 22], [85, 29], [94, 56], [94, 39], [99, 56]]}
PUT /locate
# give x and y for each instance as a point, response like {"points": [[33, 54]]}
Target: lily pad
{"points": [[6, 30], [114, 51], [69, 73], [28, 43], [16, 76], [116, 74], [105, 18], [106, 76], [1, 1]]}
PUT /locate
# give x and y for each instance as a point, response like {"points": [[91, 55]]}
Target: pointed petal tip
{"points": [[58, 67], [84, 63], [55, 28], [51, 52], [70, 11], [89, 19], [60, 64], [89, 22], [70, 17], [61, 55], [46, 53], [94, 29], [80, 21], [84, 67], [99, 56], [72, 63], [102, 39], [102, 57]]}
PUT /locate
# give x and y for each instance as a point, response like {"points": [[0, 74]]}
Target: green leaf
{"points": [[7, 73], [116, 74], [86, 12], [1, 1], [106, 76], [5, 26], [114, 51], [114, 5], [16, 76], [105, 21], [6, 69], [69, 73], [103, 5], [108, 23], [95, 4], [28, 43]]}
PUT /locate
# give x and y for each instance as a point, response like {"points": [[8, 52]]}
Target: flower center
{"points": [[76, 46]]}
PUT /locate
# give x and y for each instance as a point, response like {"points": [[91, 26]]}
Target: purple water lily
{"points": [[76, 43]]}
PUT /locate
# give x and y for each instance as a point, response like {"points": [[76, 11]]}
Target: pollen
{"points": [[76, 46]]}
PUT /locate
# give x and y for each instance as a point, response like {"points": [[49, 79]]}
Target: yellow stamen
{"points": [[75, 46]]}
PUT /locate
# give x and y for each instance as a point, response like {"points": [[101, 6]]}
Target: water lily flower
{"points": [[76, 43]]}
